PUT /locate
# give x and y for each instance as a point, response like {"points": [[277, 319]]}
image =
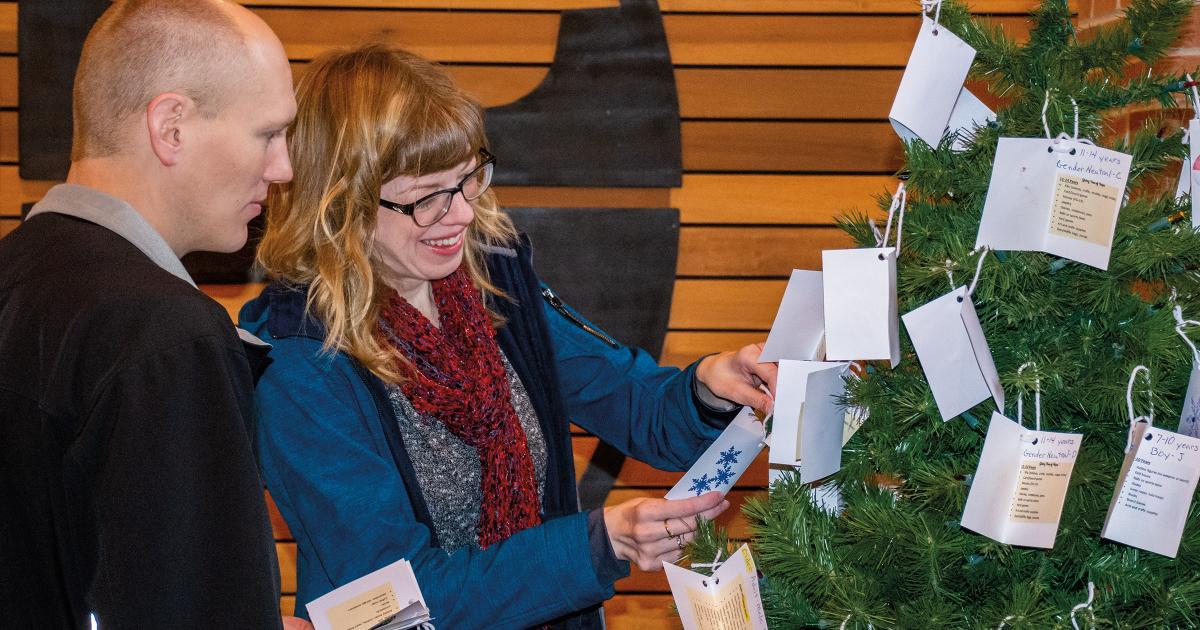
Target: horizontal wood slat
{"points": [[8, 81], [755, 251], [695, 39], [8, 137], [823, 147], [681, 347], [8, 27], [715, 6], [704, 199], [702, 304], [725, 304], [639, 474]]}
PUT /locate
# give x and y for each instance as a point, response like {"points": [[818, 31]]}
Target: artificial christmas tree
{"points": [[896, 554]]}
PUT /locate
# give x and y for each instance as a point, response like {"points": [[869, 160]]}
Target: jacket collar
{"points": [[115, 215], [287, 303]]}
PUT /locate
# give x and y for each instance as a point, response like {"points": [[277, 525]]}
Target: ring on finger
{"points": [[679, 541], [666, 527]]}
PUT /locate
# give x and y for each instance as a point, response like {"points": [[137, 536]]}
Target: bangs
{"points": [[443, 133]]}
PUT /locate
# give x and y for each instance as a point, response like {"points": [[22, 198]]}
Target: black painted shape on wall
{"points": [[50, 36], [607, 114], [616, 266]]}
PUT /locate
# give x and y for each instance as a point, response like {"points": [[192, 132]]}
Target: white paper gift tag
{"points": [[1042, 197], [1184, 185], [384, 599], [931, 83], [724, 461], [969, 113], [728, 599], [1189, 417], [1154, 491], [954, 353], [1192, 168], [809, 421], [860, 304], [799, 328], [1019, 487]]}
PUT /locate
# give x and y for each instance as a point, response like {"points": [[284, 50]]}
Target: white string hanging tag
{"points": [[936, 5], [713, 566], [1133, 420], [1088, 606], [950, 273], [1004, 621], [1180, 324], [899, 201], [1054, 141], [1037, 401], [982, 250], [1195, 97], [847, 620]]}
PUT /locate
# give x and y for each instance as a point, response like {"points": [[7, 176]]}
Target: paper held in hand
{"points": [[954, 353], [1154, 490], [931, 84], [387, 599], [727, 600], [1019, 487], [1055, 196], [799, 329], [809, 420], [724, 461]]}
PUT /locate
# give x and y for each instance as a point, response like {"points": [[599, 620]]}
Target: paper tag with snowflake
{"points": [[723, 463], [728, 599]]}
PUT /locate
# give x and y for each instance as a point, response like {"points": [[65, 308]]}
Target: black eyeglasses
{"points": [[432, 207]]}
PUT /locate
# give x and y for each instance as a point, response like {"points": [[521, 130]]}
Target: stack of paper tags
{"points": [[387, 599]]}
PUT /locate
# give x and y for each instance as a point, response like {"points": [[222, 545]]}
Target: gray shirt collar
{"points": [[116, 215]]}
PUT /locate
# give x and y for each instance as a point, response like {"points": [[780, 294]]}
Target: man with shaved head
{"points": [[128, 482]]}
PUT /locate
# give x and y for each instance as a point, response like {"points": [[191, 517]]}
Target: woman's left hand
{"points": [[737, 376]]}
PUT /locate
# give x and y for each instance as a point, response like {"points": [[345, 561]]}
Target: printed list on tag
{"points": [[724, 461], [1019, 488], [1154, 491], [1060, 197], [729, 599], [386, 599]]}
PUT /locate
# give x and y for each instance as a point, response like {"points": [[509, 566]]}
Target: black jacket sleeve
{"points": [[176, 504]]}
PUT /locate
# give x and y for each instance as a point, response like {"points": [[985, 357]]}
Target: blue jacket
{"points": [[333, 459]]}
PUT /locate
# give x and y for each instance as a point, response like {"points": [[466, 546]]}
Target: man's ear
{"points": [[165, 117]]}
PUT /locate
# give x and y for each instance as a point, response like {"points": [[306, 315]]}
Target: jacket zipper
{"points": [[562, 310]]}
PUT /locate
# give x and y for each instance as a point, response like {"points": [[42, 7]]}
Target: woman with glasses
{"points": [[419, 398]]}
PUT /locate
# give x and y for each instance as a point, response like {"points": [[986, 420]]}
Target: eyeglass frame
{"points": [[411, 208]]}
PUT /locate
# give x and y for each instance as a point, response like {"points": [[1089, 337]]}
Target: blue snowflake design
{"points": [[700, 484], [723, 475]]}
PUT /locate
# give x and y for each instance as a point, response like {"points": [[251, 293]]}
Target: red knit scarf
{"points": [[460, 380]]}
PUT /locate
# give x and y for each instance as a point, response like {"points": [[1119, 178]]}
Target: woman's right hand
{"points": [[648, 532]]}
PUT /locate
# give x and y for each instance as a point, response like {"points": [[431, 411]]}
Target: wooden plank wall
{"points": [[784, 106]]}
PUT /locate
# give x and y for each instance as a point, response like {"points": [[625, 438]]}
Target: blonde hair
{"points": [[365, 117], [139, 49]]}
